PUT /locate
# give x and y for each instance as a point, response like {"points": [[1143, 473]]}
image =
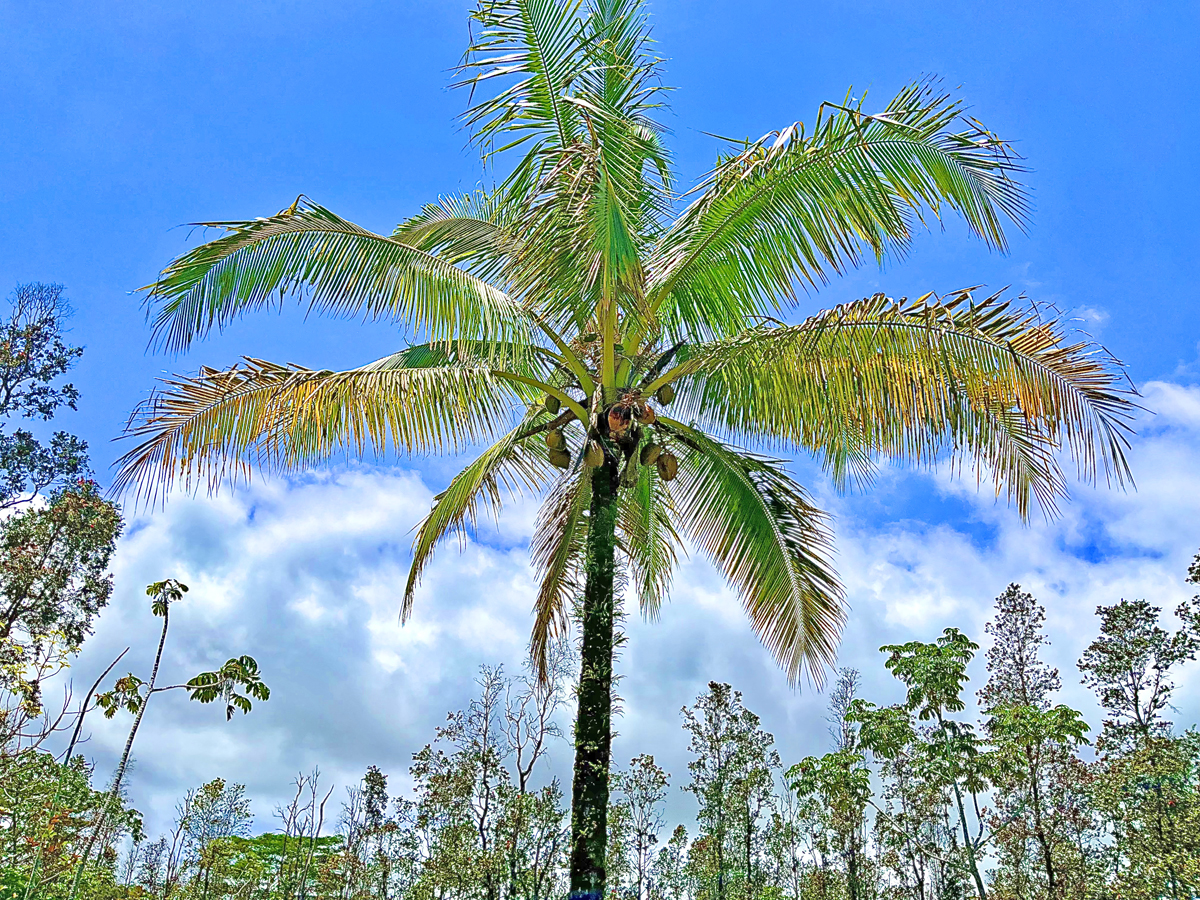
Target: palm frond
{"points": [[511, 465], [919, 381], [797, 205], [616, 96], [759, 528], [535, 45], [474, 231], [341, 268], [557, 550], [647, 536], [220, 424]]}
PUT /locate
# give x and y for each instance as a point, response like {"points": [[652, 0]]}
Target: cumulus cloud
{"points": [[307, 576]]}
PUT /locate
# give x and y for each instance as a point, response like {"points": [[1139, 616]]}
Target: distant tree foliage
{"points": [[56, 544], [928, 798]]}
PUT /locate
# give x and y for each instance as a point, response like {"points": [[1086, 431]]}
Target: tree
{"points": [[1150, 798], [642, 788], [1129, 666], [485, 833], [236, 684], [33, 356], [840, 783], [670, 876], [946, 756], [1036, 768], [1147, 782], [582, 292], [47, 811], [58, 534], [216, 811], [54, 564], [733, 769]]}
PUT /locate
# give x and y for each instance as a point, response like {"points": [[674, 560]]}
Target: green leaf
{"points": [[343, 269], [799, 205], [759, 529]]}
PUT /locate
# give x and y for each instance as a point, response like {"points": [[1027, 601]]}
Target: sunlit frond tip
{"points": [[221, 424]]}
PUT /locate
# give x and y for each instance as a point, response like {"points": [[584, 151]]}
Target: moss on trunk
{"points": [[593, 732]]}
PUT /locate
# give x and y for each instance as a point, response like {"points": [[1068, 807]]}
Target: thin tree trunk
{"points": [[593, 733], [1042, 838], [116, 788], [970, 847]]}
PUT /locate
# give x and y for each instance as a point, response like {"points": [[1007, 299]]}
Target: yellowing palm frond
{"points": [[221, 423], [647, 536], [917, 381], [557, 550]]}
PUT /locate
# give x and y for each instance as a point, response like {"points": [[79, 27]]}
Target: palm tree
{"points": [[635, 329]]}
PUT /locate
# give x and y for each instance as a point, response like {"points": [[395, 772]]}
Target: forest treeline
{"points": [[989, 788]]}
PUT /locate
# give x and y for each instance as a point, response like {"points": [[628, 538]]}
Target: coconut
{"points": [[594, 455], [646, 415], [560, 458], [618, 420], [555, 440], [668, 466], [665, 394], [650, 454], [552, 404]]}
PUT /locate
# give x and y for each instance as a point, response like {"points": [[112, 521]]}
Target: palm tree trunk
{"points": [[593, 733]]}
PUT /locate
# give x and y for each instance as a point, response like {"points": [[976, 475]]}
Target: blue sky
{"points": [[121, 121]]}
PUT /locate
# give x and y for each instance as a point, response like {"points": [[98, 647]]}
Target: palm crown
{"points": [[634, 329]]}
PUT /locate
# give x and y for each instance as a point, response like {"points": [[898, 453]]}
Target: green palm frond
{"points": [[798, 205], [645, 523], [474, 231], [538, 46], [624, 76], [759, 528], [343, 269], [557, 549], [615, 97], [918, 380], [511, 465], [220, 424]]}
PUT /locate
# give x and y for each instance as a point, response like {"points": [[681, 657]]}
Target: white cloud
{"points": [[308, 575]]}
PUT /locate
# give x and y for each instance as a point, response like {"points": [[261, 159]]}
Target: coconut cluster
{"points": [[620, 424]]}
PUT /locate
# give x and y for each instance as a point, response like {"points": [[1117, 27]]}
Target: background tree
{"points": [[1037, 774], [840, 784], [1124, 826], [57, 533], [237, 684], [34, 355], [48, 810], [216, 811], [1129, 667], [1147, 782], [670, 879], [945, 756], [485, 833], [733, 771], [642, 788]]}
